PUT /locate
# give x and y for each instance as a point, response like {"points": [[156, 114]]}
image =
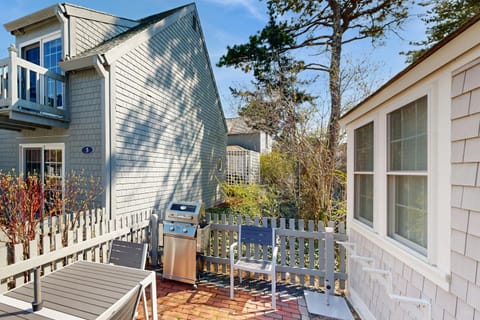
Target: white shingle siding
{"points": [[90, 33], [462, 300], [169, 125]]}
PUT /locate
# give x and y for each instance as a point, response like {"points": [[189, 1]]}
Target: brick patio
{"points": [[211, 300]]}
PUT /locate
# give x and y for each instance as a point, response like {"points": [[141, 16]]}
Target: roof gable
{"points": [[116, 47], [239, 126], [19, 25]]}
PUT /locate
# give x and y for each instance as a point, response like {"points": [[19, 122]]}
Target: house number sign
{"points": [[87, 149]]}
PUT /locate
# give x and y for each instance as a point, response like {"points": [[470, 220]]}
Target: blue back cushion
{"points": [[258, 235]]}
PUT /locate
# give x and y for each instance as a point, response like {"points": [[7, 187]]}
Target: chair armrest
{"points": [[274, 255], [232, 253]]}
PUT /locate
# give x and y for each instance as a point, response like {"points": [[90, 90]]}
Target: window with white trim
{"points": [[47, 161], [46, 52], [407, 175], [363, 197]]}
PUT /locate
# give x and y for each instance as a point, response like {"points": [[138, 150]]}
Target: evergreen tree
{"points": [[321, 26], [443, 17]]}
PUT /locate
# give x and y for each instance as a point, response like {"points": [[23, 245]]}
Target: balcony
{"points": [[30, 96]]}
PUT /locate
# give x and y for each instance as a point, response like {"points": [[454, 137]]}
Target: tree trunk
{"points": [[335, 97]]}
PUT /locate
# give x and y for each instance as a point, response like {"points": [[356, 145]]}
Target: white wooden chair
{"points": [[130, 254], [264, 237]]}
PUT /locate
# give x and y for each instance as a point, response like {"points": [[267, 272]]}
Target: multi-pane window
{"points": [[52, 54], [46, 53], [407, 175], [363, 203], [47, 162]]}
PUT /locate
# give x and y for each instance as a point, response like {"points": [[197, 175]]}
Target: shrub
{"points": [[25, 201], [249, 199], [277, 169]]}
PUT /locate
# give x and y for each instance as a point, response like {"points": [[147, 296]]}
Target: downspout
{"points": [[62, 17], [106, 131]]}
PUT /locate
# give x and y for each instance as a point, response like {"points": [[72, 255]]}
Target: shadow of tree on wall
{"points": [[170, 127]]}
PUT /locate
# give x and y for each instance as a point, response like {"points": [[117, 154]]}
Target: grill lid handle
{"points": [[185, 217]]}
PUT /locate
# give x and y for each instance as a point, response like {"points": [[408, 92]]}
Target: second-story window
{"points": [[46, 52], [52, 54]]}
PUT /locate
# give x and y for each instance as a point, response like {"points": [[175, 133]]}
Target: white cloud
{"points": [[252, 6]]}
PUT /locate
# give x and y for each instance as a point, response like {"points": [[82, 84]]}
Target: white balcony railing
{"points": [[30, 88]]}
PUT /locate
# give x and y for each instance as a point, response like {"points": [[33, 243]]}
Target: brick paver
{"points": [[211, 300]]}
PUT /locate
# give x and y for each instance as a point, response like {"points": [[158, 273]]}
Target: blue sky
{"points": [[224, 22]]}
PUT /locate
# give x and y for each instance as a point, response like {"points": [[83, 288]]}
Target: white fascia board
{"points": [[118, 51], [458, 46], [36, 17], [79, 63], [89, 14]]}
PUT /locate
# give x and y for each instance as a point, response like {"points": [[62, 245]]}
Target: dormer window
{"points": [[45, 52]]}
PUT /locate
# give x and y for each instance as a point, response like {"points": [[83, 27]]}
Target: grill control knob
{"points": [[172, 228], [185, 230]]}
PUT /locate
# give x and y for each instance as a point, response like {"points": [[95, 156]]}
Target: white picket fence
{"points": [[306, 255], [243, 166], [89, 240]]}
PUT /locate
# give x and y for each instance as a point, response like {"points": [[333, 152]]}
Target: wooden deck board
{"points": [[83, 289], [9, 312]]}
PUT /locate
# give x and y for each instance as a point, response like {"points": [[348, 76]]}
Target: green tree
{"points": [[321, 26], [443, 17], [273, 103]]}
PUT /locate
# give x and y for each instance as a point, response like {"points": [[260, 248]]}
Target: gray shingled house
{"points": [[240, 134], [132, 101], [413, 186]]}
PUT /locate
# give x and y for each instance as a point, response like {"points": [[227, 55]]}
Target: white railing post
{"points": [[329, 259], [12, 79], [154, 238]]}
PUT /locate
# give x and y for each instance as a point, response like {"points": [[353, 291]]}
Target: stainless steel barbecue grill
{"points": [[185, 233]]}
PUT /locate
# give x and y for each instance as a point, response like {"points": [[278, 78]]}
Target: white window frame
{"points": [[359, 173], [41, 40], [435, 266], [43, 147], [406, 173]]}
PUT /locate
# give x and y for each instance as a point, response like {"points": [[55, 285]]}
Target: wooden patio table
{"points": [[82, 290]]}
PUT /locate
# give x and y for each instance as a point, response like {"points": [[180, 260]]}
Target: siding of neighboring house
{"points": [[250, 141], [8, 150], [90, 33], [169, 131], [85, 129], [86, 125]]}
